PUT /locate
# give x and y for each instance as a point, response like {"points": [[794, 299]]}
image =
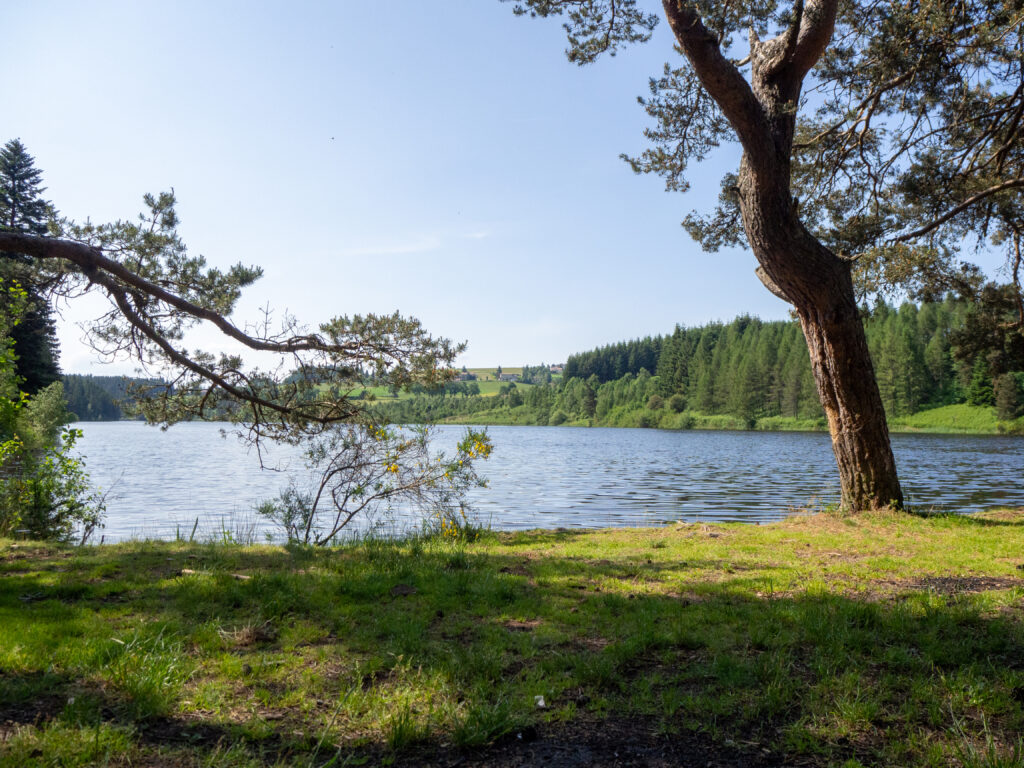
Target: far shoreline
{"points": [[953, 420]]}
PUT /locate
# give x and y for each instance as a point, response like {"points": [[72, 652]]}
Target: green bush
{"points": [[372, 469], [44, 490], [646, 419], [655, 403], [557, 417], [677, 403]]}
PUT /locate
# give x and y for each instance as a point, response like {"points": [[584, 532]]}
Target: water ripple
{"points": [[550, 477]]}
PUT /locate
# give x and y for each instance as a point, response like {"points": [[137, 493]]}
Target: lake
{"points": [[545, 477]]}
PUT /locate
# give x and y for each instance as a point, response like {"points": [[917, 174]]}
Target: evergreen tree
{"points": [[22, 209], [979, 391], [590, 396], [1009, 396]]}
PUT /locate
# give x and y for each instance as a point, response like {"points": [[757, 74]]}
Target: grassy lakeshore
{"points": [[820, 640], [951, 419]]}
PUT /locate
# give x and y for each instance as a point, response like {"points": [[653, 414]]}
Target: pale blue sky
{"points": [[440, 158]]}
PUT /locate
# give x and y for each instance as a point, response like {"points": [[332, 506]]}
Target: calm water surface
{"points": [[546, 476]]}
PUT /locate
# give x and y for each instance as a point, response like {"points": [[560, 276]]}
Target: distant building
{"points": [[509, 377], [465, 377], [556, 368]]}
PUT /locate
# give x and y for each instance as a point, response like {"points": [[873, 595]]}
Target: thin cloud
{"points": [[421, 244]]}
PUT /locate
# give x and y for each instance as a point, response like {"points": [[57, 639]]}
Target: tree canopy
{"points": [[877, 137], [906, 142], [23, 209], [157, 292]]}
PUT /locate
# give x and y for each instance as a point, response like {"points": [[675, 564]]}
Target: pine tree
{"points": [[1009, 396], [22, 209], [979, 391]]}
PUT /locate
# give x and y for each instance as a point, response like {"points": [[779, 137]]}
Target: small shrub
{"points": [[44, 490], [655, 403], [558, 416], [46, 493], [677, 403], [645, 419], [368, 469], [685, 421]]}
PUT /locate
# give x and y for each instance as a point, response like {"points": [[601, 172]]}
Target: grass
{"points": [[490, 374], [960, 418], [950, 419], [487, 389], [881, 639]]}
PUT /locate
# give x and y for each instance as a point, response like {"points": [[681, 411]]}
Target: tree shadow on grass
{"points": [[665, 663], [991, 519]]}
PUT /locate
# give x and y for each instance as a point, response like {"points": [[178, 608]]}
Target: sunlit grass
{"points": [[950, 419], [881, 639]]}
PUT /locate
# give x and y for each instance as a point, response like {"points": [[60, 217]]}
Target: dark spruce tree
{"points": [[22, 209]]}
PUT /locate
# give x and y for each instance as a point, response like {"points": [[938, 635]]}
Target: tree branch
{"points": [[91, 261], [771, 285], [817, 22], [720, 78], [327, 416], [793, 33], [940, 220]]}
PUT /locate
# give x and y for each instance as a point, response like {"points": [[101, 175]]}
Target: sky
{"points": [[442, 159]]}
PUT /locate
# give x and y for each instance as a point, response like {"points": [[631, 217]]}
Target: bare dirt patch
{"points": [[34, 712], [376, 679], [522, 626], [948, 586], [612, 743], [519, 569], [958, 585]]}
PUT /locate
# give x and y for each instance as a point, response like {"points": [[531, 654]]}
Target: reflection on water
{"points": [[549, 477]]}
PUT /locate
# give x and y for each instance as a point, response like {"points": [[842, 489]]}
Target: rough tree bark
{"points": [[793, 263]]}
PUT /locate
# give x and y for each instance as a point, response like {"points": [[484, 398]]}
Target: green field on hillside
{"points": [[487, 389], [488, 374]]}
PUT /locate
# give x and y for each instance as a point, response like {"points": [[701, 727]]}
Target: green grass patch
{"points": [[491, 374], [790, 424], [881, 639], [951, 419], [487, 389]]}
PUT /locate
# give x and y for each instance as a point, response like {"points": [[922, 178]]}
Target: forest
{"points": [[95, 398], [743, 374], [103, 398], [751, 373]]}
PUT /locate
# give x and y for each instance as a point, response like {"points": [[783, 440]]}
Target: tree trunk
{"points": [[798, 268], [794, 264], [849, 394]]}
